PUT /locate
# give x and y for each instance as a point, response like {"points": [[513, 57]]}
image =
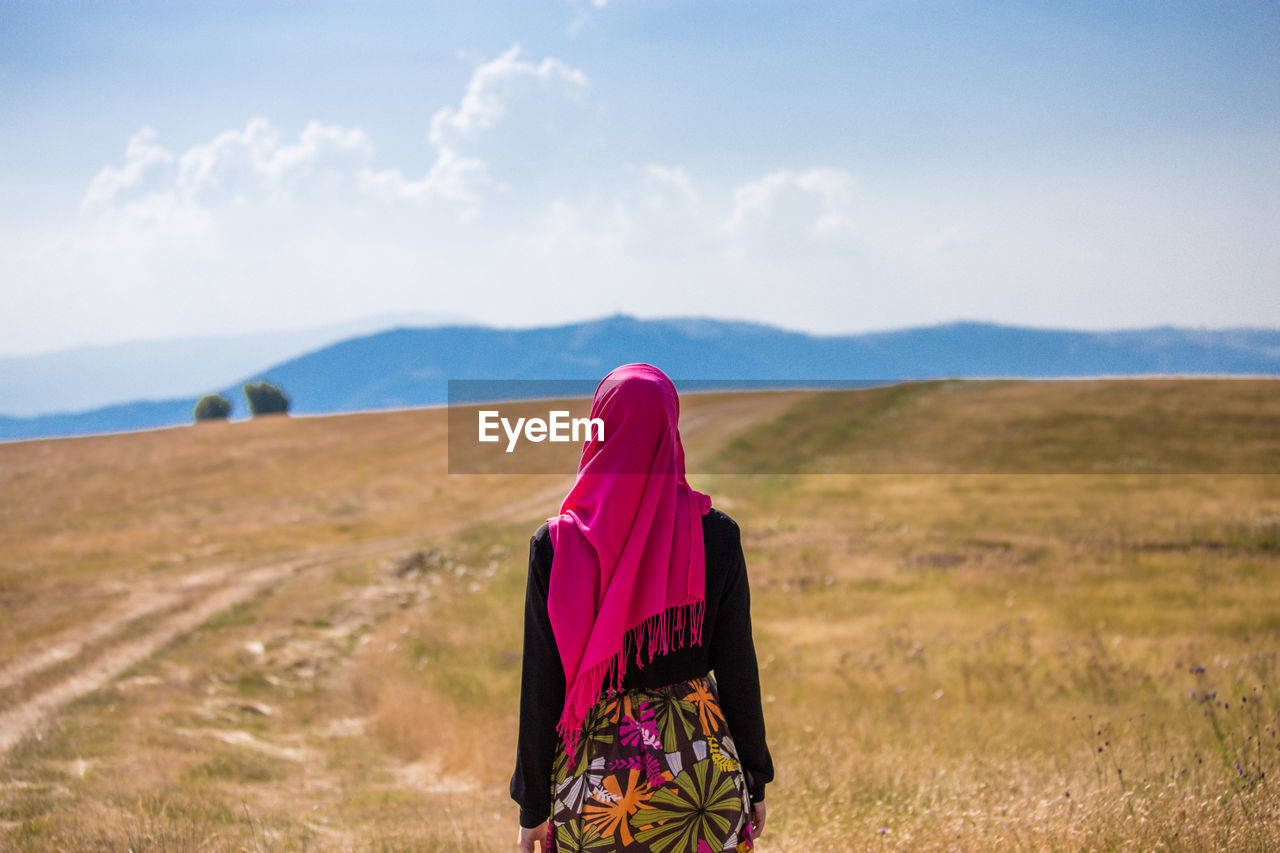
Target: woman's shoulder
{"points": [[540, 554], [540, 541], [718, 520], [719, 525]]}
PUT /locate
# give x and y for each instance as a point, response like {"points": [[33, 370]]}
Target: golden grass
{"points": [[962, 659]]}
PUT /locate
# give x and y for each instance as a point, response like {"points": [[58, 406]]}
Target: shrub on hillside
{"points": [[213, 407], [265, 399]]}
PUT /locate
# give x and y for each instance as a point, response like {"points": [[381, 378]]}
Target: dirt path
{"points": [[181, 606], [16, 723], [142, 602]]}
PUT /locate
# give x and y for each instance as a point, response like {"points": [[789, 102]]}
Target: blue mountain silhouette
{"points": [[408, 367]]}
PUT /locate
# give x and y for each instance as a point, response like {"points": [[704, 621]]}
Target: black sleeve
{"points": [[541, 692], [733, 657]]}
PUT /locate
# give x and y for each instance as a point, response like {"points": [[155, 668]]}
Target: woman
{"points": [[637, 592]]}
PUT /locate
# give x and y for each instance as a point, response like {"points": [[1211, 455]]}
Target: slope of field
{"points": [[1002, 619]]}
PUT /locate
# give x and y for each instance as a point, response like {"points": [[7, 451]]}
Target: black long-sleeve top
{"points": [[727, 649]]}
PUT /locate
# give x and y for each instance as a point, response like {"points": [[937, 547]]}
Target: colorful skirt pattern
{"points": [[654, 770]]}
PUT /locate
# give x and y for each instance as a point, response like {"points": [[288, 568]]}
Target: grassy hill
{"points": [[990, 615]]}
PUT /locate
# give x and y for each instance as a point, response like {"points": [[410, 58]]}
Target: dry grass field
{"points": [[990, 616]]}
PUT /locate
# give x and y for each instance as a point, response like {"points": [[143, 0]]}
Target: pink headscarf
{"points": [[628, 563]]}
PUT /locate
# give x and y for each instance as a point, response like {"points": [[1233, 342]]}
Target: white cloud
{"points": [[255, 164], [243, 164], [822, 198], [654, 238], [654, 210], [452, 178], [657, 210], [192, 238], [459, 174], [493, 87], [141, 156]]}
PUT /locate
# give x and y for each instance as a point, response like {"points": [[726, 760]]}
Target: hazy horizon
{"points": [[378, 323]]}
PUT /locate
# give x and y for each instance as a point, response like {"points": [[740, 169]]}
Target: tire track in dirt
{"points": [[17, 722], [141, 603], [190, 602]]}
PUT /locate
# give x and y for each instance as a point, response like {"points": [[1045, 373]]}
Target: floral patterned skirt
{"points": [[654, 770]]}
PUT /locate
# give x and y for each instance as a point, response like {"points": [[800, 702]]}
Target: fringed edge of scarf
{"points": [[673, 628]]}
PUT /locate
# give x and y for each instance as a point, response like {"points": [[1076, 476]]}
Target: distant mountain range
{"points": [[74, 380], [407, 367]]}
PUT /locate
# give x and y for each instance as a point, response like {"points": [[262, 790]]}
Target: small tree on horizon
{"points": [[213, 407], [265, 399]]}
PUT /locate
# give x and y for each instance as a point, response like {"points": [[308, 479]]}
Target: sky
{"points": [[179, 169]]}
